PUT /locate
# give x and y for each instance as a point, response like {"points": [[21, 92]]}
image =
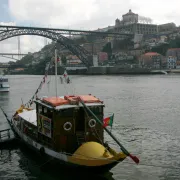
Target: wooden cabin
{"points": [[63, 124]]}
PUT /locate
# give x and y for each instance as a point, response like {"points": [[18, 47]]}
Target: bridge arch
{"points": [[79, 51]]}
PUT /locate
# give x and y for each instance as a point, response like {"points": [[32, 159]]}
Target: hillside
{"points": [[35, 62]]}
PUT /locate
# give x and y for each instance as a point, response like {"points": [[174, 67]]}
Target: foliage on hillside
{"points": [[124, 44], [25, 60], [108, 49], [174, 43]]}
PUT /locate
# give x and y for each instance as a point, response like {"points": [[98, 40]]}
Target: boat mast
{"points": [[56, 70]]}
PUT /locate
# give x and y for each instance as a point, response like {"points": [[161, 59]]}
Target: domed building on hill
{"points": [[133, 23]]}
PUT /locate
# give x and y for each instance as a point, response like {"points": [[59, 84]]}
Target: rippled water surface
{"points": [[147, 123]]}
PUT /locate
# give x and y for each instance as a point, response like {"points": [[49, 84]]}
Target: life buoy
{"points": [[67, 126], [92, 123]]}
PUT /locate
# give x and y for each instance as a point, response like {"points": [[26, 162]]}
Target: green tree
{"points": [[107, 48], [161, 49], [63, 59]]}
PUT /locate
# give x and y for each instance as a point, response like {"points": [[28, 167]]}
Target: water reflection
{"points": [[4, 98], [34, 164], [146, 123], [4, 103]]}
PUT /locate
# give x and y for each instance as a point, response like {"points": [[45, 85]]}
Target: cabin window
{"points": [[44, 110], [66, 112], [40, 109], [97, 110], [49, 113]]}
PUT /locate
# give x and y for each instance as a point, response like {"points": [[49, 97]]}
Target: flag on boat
{"points": [[66, 78], [108, 121], [65, 74], [58, 60]]}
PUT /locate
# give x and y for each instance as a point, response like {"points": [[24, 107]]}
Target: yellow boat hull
{"points": [[93, 154]]}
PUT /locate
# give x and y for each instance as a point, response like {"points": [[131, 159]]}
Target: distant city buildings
{"points": [[166, 27], [155, 60], [151, 60], [133, 23], [171, 62], [173, 58], [95, 47], [130, 23], [146, 36]]}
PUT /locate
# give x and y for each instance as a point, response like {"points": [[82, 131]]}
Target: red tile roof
{"points": [[152, 54]]}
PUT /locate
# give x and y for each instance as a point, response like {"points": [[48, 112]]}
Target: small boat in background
{"points": [[4, 84]]}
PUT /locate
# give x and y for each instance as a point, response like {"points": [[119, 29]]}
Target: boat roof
{"points": [[65, 102], [29, 116]]}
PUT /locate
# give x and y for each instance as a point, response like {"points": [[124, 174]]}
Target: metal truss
{"points": [[79, 51], [11, 55], [56, 35], [12, 66], [68, 31]]}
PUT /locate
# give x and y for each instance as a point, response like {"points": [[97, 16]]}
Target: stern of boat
{"points": [[95, 156]]}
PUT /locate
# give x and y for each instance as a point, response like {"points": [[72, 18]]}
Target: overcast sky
{"points": [[77, 14]]}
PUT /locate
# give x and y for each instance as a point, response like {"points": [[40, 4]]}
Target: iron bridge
{"points": [[11, 55], [57, 35]]}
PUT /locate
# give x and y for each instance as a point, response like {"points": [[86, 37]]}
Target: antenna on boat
{"points": [[56, 70], [22, 101]]}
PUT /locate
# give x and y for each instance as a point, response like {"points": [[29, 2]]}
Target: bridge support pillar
{"points": [[95, 60]]}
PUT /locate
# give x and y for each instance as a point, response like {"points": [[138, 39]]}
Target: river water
{"points": [[146, 121]]}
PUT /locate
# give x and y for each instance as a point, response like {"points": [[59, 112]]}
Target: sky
{"points": [[77, 14]]}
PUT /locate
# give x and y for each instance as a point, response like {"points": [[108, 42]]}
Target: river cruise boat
{"points": [[69, 129]]}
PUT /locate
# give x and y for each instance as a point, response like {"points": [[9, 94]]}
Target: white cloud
{"points": [[90, 14], [158, 10], [27, 43], [82, 14], [68, 13]]}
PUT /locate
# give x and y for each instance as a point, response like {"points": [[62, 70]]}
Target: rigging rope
{"points": [[48, 67], [30, 102]]}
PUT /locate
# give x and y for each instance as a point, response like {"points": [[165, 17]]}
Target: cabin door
{"points": [[79, 117]]}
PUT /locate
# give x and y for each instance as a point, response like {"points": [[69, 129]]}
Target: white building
{"points": [[171, 62]]}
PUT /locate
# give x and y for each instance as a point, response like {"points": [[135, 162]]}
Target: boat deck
{"points": [[29, 116]]}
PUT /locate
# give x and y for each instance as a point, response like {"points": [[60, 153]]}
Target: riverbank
{"points": [[120, 70], [106, 70]]}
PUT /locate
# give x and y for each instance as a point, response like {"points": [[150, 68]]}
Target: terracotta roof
{"points": [[58, 101], [152, 54]]}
